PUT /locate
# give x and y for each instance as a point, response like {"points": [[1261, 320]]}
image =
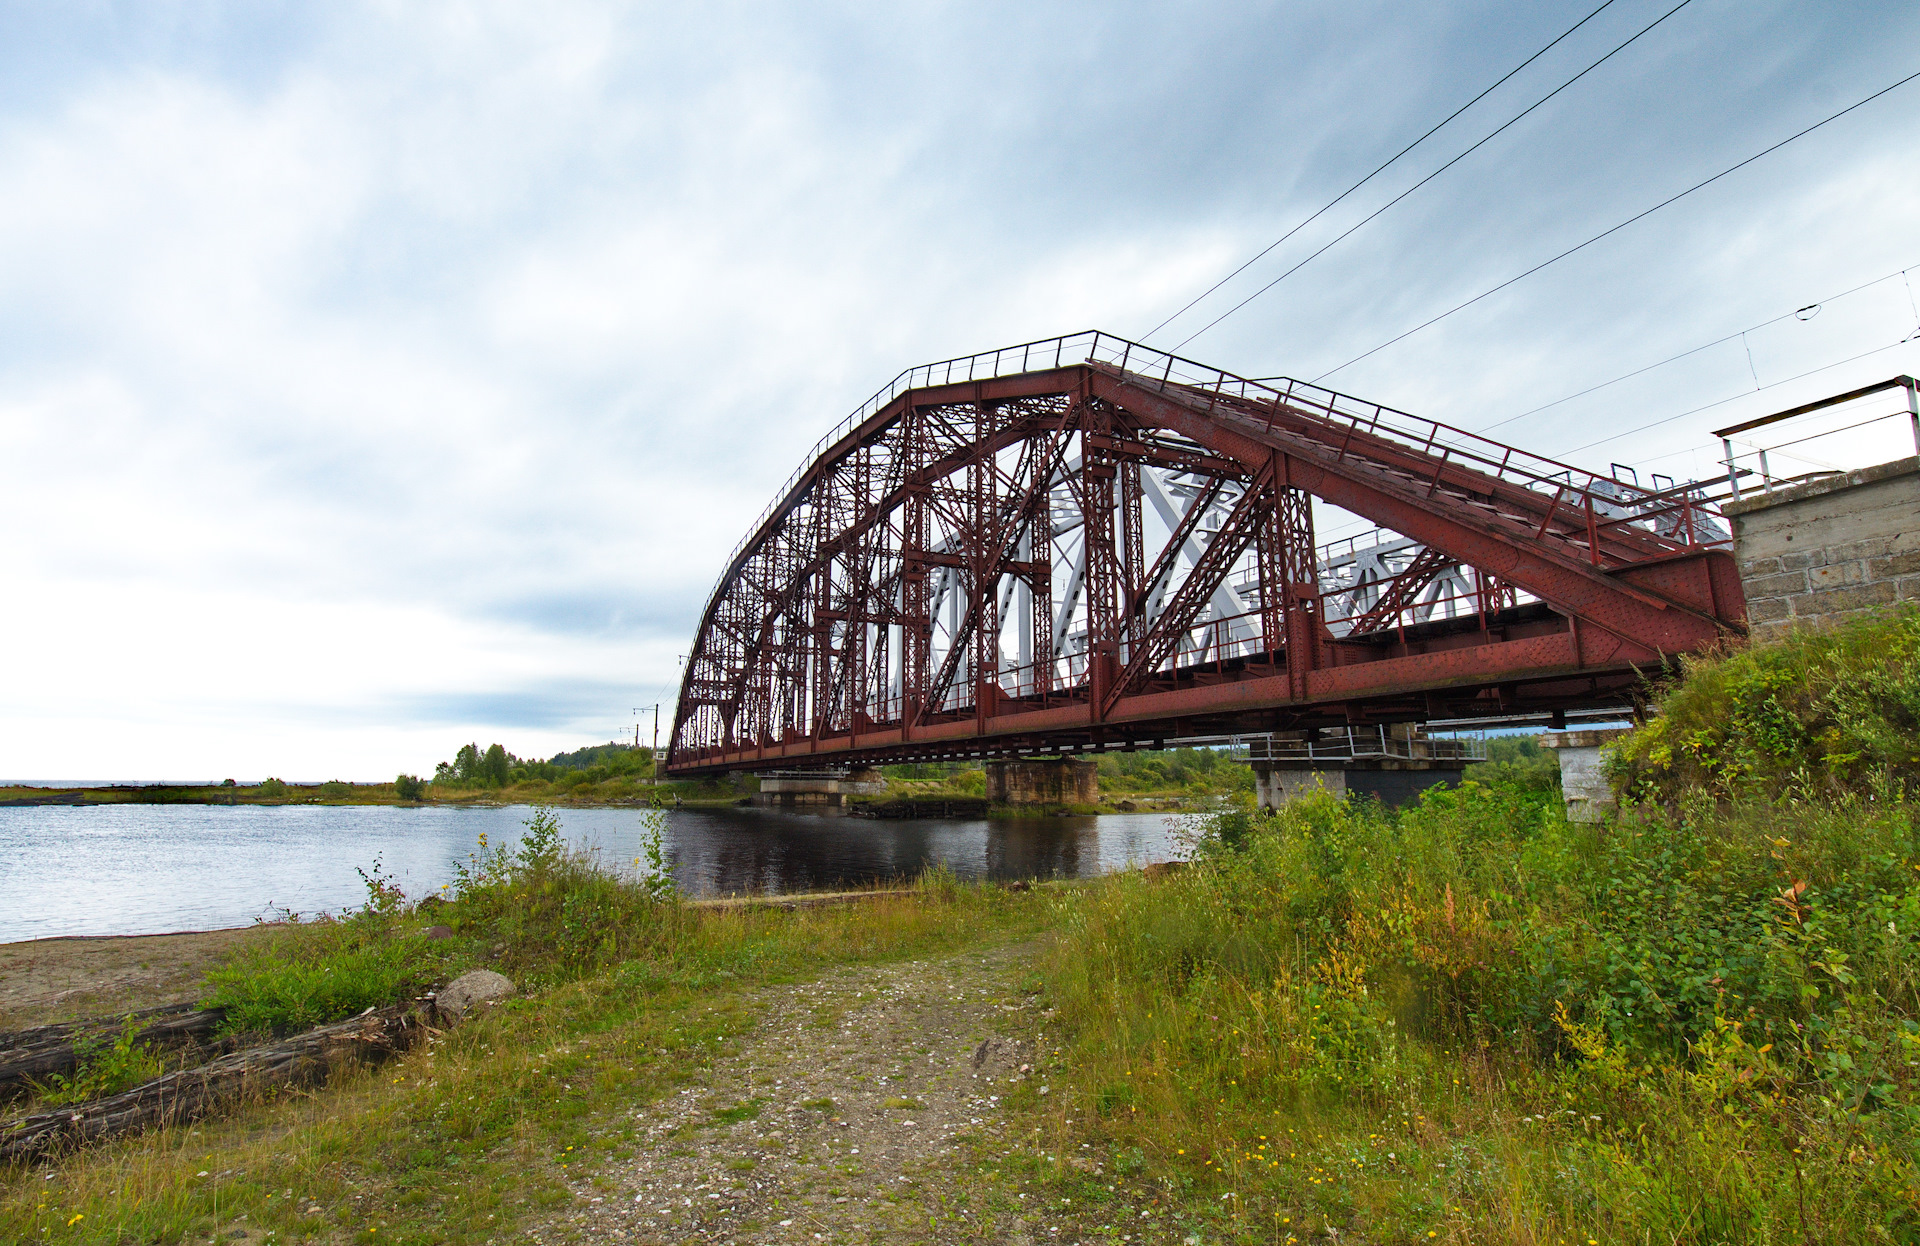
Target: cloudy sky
{"points": [[376, 377]]}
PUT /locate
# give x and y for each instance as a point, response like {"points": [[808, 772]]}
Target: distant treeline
{"points": [[494, 766]]}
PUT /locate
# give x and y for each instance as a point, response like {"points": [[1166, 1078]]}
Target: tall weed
{"points": [[1594, 1028]]}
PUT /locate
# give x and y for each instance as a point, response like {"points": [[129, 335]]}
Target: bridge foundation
{"points": [[1583, 784], [817, 789], [1278, 783], [1828, 548], [1068, 781], [1392, 764]]}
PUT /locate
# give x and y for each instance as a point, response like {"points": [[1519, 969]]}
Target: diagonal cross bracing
{"points": [[1079, 603]]}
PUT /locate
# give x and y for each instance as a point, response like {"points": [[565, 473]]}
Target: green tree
{"points": [[409, 787], [494, 766]]}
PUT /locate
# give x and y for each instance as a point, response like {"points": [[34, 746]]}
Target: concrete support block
{"points": [[1276, 786], [1894, 565], [866, 781], [1858, 597], [1837, 574], [1785, 584], [1277, 783], [1829, 548], [1583, 783]]}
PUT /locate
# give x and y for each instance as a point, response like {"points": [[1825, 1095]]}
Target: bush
{"points": [[553, 914], [1819, 713], [409, 787], [273, 789], [1518, 761], [105, 1068], [1705, 981]]}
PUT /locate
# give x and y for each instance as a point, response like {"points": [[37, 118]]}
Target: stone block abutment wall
{"points": [[1829, 548]]}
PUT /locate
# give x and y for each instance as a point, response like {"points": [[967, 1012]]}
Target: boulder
{"points": [[472, 992]]}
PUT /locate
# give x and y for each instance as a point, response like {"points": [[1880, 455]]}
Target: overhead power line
{"points": [[1800, 376], [1617, 228], [1504, 126], [1382, 168], [1719, 341]]}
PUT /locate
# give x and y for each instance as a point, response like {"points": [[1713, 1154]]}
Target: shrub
{"points": [[552, 913], [105, 1068], [273, 789], [409, 787], [1819, 713]]}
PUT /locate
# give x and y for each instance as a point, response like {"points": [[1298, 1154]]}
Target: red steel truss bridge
{"points": [[1084, 543]]}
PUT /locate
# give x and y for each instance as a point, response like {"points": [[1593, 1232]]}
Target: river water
{"points": [[149, 869]]}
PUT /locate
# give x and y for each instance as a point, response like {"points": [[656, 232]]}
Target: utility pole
{"points": [[639, 710]]}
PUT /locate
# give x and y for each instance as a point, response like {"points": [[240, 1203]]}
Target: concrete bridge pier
{"points": [[1393, 764], [817, 789], [1068, 781], [1583, 784]]}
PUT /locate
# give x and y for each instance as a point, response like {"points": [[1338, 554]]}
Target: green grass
{"points": [[1472, 1021], [107, 1067], [624, 996], [746, 1111], [1816, 714]]}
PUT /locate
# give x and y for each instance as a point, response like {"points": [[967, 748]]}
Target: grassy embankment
{"points": [[625, 994], [1466, 1022], [1471, 1021]]}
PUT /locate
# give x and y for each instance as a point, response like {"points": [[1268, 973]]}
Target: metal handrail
{"points": [[1357, 744], [1093, 346]]}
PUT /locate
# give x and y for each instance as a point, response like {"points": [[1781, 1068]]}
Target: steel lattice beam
{"points": [[870, 614]]}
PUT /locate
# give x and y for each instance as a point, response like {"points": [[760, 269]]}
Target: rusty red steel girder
{"points": [[867, 616]]}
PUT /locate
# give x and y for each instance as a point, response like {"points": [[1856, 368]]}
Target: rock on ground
{"points": [[472, 990]]}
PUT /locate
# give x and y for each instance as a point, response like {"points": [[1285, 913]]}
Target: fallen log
{"points": [[188, 1094], [33, 1056]]}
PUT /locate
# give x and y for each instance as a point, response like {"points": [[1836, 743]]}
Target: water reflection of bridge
{"points": [[740, 852]]}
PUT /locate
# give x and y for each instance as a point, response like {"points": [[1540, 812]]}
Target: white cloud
{"points": [[402, 376]]}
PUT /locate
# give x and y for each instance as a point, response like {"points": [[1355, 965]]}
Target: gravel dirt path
{"points": [[869, 1105]]}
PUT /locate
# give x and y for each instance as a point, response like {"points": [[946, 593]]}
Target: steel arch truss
{"points": [[1090, 553]]}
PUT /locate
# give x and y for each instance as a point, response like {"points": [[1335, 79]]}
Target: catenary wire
{"points": [[1825, 367], [1719, 341], [1382, 168], [1622, 225], [1429, 177]]}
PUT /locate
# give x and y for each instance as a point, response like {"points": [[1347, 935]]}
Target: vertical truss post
{"points": [[1132, 540], [1040, 576], [983, 562], [1299, 583], [916, 620], [1097, 473]]}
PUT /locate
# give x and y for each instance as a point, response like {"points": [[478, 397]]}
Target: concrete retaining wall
{"points": [[1829, 548]]}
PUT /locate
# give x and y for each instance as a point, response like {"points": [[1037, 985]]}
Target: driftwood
{"points": [[191, 1093], [30, 1056]]}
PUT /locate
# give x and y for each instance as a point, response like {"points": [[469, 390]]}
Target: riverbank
{"points": [[620, 795], [341, 793], [1340, 1022]]}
